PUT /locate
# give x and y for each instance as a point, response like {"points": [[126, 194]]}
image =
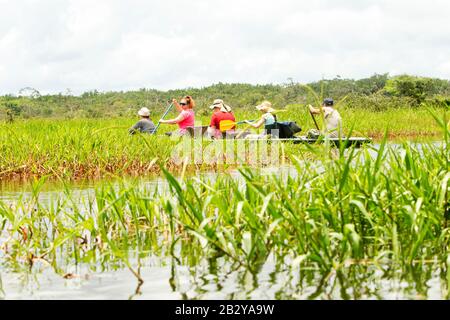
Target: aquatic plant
{"points": [[93, 149], [387, 208]]}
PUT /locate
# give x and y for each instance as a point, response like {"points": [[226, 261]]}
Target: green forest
{"points": [[376, 93]]}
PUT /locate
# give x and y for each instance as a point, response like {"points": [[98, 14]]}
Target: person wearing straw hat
{"points": [[221, 112], [333, 120], [145, 124], [268, 119]]}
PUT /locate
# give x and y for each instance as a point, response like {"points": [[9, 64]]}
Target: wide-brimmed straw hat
{"points": [[144, 112], [218, 103], [266, 106]]}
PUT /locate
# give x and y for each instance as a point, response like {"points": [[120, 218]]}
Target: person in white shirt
{"points": [[333, 120]]}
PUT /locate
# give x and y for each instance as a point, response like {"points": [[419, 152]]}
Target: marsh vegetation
{"points": [[369, 223], [337, 228]]}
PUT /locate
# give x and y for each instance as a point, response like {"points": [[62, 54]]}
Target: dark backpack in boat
{"points": [[288, 129], [283, 130]]}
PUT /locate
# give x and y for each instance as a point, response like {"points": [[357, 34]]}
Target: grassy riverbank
{"points": [[92, 148], [388, 210]]}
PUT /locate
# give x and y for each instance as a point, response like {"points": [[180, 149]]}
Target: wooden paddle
{"points": [[314, 119]]}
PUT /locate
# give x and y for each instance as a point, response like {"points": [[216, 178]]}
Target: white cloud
{"points": [[83, 45]]}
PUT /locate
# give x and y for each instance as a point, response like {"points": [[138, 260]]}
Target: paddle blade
{"points": [[226, 125]]}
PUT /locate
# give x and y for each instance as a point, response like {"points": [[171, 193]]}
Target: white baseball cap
{"points": [[144, 112]]}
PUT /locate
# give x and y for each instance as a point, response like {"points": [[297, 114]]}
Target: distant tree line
{"points": [[377, 92]]}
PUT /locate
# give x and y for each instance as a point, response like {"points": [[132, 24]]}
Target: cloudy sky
{"points": [[52, 45]]}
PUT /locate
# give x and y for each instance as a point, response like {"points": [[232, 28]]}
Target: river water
{"points": [[169, 278]]}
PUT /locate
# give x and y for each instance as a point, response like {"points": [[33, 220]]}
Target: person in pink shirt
{"points": [[186, 118]]}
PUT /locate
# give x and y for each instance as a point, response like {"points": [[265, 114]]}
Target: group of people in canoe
{"points": [[223, 121]]}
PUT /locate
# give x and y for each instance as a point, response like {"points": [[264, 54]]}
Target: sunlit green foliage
{"points": [[417, 88], [386, 208], [388, 92]]}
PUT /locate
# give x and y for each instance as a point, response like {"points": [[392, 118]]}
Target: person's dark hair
{"points": [[328, 102]]}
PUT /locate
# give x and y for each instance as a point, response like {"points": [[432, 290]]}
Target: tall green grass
{"points": [[388, 209], [80, 149]]}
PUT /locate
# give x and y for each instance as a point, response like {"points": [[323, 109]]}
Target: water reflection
{"points": [[219, 278], [183, 272]]}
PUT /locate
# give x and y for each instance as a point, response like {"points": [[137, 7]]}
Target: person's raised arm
{"points": [[177, 105], [313, 110], [174, 121]]}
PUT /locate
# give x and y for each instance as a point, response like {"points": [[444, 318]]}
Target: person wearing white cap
{"points": [[221, 112], [145, 124]]}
